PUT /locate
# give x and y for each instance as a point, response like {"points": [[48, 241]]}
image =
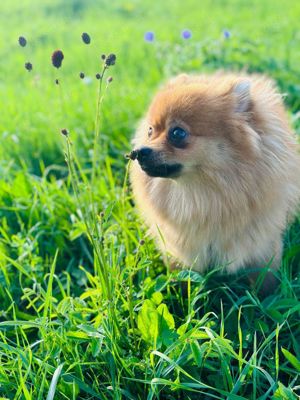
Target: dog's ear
{"points": [[178, 80], [241, 92]]}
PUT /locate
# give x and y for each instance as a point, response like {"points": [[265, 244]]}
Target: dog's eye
{"points": [[150, 131], [177, 136]]}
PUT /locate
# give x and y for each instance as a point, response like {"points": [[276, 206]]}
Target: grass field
{"points": [[88, 309]]}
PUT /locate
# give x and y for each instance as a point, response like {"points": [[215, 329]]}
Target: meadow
{"points": [[88, 310]]}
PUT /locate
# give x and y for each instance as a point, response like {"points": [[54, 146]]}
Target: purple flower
{"points": [[226, 34], [186, 34], [149, 36]]}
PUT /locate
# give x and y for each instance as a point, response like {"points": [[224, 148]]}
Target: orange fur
{"points": [[241, 171]]}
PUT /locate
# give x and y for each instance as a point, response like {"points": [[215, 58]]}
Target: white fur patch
{"points": [[242, 91]]}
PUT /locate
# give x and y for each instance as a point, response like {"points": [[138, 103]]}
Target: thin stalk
{"points": [[98, 249], [97, 123]]}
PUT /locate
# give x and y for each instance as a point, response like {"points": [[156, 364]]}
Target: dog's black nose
{"points": [[143, 154]]}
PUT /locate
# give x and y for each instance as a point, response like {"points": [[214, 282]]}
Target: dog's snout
{"points": [[143, 154]]}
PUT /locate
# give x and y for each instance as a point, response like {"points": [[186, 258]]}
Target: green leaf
{"points": [[156, 324], [166, 326], [193, 276], [157, 298], [291, 358], [167, 316], [196, 350], [52, 389], [148, 321], [77, 335], [182, 329], [283, 393]]}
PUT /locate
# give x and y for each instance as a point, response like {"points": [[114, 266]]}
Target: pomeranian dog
{"points": [[216, 174]]}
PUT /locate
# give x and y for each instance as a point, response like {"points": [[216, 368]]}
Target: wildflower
{"points": [[149, 36], [186, 34], [22, 41], [81, 75], [142, 242], [86, 38], [28, 66], [98, 76], [109, 79], [65, 132], [110, 60], [56, 81], [226, 34], [103, 56], [57, 57]]}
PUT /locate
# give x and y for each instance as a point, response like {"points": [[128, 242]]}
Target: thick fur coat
{"points": [[239, 178]]}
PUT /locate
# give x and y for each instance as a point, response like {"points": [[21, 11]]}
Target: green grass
{"points": [[88, 310]]}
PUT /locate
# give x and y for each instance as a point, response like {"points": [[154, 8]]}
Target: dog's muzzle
{"points": [[151, 163]]}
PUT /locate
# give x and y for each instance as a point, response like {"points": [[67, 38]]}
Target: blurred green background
{"points": [[264, 37]]}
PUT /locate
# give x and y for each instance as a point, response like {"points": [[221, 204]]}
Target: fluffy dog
{"points": [[216, 172]]}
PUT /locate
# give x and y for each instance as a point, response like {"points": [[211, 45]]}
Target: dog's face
{"points": [[192, 127]]}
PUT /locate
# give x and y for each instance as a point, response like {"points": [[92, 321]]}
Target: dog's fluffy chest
{"points": [[203, 227]]}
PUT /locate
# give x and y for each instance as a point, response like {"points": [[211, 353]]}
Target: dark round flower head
{"points": [[103, 56], [142, 242], [81, 75], [109, 79], [22, 41], [110, 60], [57, 57], [98, 76], [65, 132], [56, 81], [86, 38], [28, 66], [149, 36], [132, 155], [186, 34]]}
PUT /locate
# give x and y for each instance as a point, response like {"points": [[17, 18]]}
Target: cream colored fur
{"points": [[231, 204]]}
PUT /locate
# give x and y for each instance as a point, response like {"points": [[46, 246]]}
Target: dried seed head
{"points": [[81, 75], [28, 66], [132, 155], [22, 41], [103, 56], [65, 132], [110, 60], [98, 76], [56, 81], [109, 79], [57, 57], [86, 38]]}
